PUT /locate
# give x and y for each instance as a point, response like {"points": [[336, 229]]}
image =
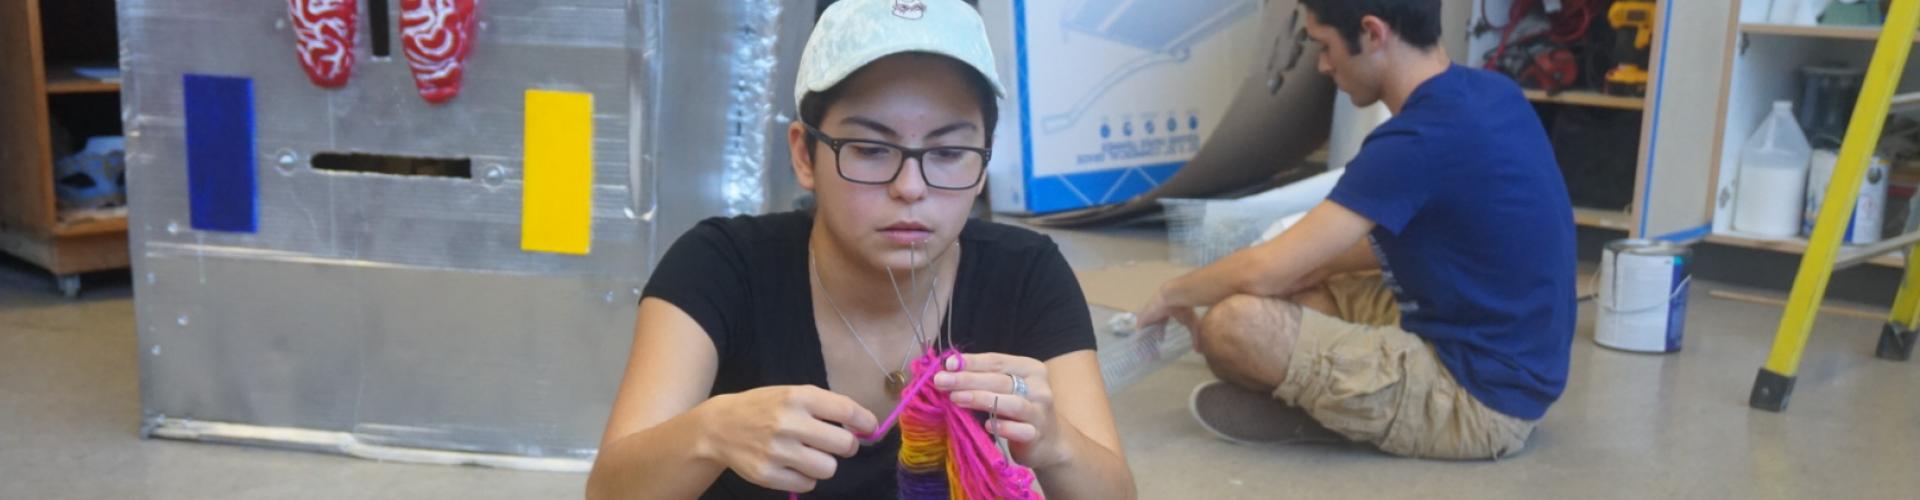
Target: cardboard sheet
{"points": [[1281, 113], [1129, 286]]}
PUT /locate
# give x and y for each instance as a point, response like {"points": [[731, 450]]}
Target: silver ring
{"points": [[1019, 385]]}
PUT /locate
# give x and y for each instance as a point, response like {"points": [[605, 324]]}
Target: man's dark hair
{"points": [[1416, 21], [813, 107]]}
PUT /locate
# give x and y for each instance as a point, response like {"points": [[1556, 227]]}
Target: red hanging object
{"points": [[437, 35], [324, 30]]}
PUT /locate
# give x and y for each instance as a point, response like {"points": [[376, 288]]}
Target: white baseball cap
{"points": [[854, 33]]}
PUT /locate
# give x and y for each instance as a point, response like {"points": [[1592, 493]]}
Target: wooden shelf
{"points": [[1795, 246], [62, 80], [1602, 218], [31, 224], [1584, 98], [87, 227], [1834, 32]]}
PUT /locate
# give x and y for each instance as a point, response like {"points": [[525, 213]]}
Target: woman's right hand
{"points": [[781, 437]]}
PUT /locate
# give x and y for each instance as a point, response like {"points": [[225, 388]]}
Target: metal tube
{"points": [[1863, 254]]}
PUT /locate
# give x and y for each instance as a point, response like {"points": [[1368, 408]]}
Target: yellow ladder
{"points": [[1775, 382]]}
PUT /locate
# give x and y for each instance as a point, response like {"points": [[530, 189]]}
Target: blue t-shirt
{"points": [[1475, 236]]}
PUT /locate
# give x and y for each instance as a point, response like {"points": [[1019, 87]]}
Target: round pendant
{"points": [[896, 383]]}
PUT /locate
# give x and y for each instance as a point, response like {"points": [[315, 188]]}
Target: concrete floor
{"points": [[1629, 425]]}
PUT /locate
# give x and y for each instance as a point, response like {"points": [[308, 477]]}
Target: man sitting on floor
{"points": [[1427, 306]]}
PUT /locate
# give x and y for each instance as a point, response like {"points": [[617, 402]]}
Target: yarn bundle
{"points": [[945, 453]]}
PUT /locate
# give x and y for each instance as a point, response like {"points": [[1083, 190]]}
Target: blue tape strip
{"points": [[1689, 234], [1026, 95], [222, 190]]}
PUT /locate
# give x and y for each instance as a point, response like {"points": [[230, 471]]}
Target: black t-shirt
{"points": [[745, 280]]}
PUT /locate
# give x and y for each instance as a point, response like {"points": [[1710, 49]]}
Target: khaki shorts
{"points": [[1360, 375]]}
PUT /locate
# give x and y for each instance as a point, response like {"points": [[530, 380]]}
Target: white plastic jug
{"points": [[1770, 188]]}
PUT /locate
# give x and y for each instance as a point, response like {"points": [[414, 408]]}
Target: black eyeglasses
{"points": [[861, 161]]}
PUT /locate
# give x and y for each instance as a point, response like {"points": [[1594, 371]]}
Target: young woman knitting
{"points": [[792, 352]]}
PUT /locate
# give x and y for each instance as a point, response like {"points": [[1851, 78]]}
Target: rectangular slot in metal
{"points": [[378, 25], [368, 163]]}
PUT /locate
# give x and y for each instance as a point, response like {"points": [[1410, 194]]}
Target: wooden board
{"points": [[26, 173], [1720, 120], [1602, 218], [1797, 247], [1640, 158], [68, 255], [1781, 302], [1836, 32], [90, 227], [65, 81], [1688, 59], [1584, 98]]}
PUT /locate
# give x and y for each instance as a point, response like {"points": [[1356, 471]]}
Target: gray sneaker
{"points": [[1243, 416]]}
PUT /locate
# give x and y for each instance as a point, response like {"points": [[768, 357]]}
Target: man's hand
{"points": [[1276, 268], [1158, 311]]}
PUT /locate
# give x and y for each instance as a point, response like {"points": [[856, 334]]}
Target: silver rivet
{"points": [[173, 228], [156, 349], [287, 159], [609, 297], [183, 320], [494, 176], [150, 278]]}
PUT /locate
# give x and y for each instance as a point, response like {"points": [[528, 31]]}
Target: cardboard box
{"points": [[1107, 98]]}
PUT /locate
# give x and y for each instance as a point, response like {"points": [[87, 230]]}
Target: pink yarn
{"points": [[977, 463]]}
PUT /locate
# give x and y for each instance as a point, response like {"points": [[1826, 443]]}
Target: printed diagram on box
{"points": [[1151, 125], [1167, 31]]}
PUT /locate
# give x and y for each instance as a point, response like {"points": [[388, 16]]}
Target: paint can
{"points": [[1869, 208], [1642, 303]]}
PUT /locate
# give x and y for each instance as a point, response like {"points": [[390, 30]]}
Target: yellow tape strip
{"points": [[556, 213]]}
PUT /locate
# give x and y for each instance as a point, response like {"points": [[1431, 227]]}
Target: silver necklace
{"points": [[895, 381]]}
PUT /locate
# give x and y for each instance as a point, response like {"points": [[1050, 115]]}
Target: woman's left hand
{"points": [[1015, 389]]}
